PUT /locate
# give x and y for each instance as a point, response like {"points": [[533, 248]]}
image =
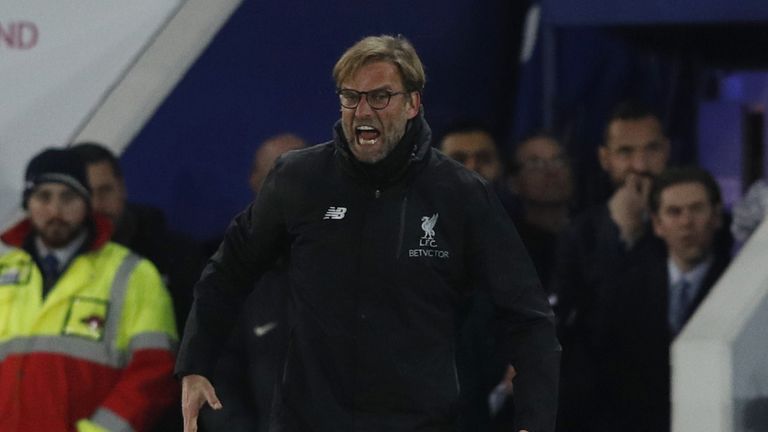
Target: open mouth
{"points": [[367, 135]]}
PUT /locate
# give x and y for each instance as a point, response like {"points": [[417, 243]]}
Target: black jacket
{"points": [[381, 260]]}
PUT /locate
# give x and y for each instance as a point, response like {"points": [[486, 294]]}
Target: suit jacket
{"points": [[589, 254], [634, 374], [592, 264]]}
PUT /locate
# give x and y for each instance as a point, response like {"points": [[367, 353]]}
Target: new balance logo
{"points": [[261, 330], [335, 213]]}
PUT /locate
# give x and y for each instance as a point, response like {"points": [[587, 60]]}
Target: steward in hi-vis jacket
{"points": [[87, 332], [386, 241]]}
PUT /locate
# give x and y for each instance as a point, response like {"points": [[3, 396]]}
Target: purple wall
{"points": [[720, 128]]}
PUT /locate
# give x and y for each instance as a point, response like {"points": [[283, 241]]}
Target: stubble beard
{"points": [[385, 143], [57, 234]]}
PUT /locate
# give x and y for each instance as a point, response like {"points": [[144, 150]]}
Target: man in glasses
{"points": [[471, 144], [541, 177], [385, 241]]}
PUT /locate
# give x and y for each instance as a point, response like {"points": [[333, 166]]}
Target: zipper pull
{"points": [[378, 193]]}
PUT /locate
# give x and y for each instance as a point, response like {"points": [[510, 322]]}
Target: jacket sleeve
{"points": [[252, 244], [590, 252], [147, 337], [526, 337]]}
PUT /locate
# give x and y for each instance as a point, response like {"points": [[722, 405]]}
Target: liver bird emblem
{"points": [[428, 225]]}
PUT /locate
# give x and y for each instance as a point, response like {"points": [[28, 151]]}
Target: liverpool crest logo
{"points": [[428, 225]]}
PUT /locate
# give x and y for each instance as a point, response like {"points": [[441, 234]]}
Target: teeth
{"points": [[367, 142], [366, 128]]}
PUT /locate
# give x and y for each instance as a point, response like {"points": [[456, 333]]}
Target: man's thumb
{"points": [[213, 400]]}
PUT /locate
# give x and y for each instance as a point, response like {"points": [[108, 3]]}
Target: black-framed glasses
{"points": [[482, 156], [377, 99], [540, 164]]}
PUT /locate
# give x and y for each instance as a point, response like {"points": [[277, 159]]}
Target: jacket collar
{"points": [[100, 232]]}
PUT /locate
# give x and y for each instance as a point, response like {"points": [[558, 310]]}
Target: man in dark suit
{"points": [[635, 150], [663, 284]]}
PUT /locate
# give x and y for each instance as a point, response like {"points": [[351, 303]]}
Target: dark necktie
{"points": [[680, 300], [50, 268]]}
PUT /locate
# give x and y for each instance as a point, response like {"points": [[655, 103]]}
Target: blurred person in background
{"points": [[472, 144], [142, 228], [634, 151], [264, 158], [541, 178], [663, 283], [87, 328], [749, 212], [486, 381], [260, 338]]}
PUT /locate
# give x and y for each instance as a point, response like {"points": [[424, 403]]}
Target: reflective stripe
{"points": [[155, 340], [77, 348], [103, 352], [107, 419], [117, 295], [84, 349]]}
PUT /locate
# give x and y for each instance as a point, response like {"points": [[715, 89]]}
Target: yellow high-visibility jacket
{"points": [[96, 354]]}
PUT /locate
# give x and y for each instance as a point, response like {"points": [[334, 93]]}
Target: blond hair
{"points": [[394, 49]]}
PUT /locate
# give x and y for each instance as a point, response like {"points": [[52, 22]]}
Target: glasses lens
{"points": [[459, 156], [542, 164], [378, 99], [349, 98], [484, 157]]}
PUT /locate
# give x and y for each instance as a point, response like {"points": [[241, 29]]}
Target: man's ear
{"points": [[602, 157], [656, 222], [667, 150], [414, 104]]}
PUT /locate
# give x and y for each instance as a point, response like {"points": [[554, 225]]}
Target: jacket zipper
{"points": [[402, 226]]}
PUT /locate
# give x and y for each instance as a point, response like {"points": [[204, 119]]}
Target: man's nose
{"points": [[363, 109], [640, 162], [686, 217], [55, 207], [471, 163]]}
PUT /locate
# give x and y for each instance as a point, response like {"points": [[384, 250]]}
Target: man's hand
{"points": [[509, 376], [196, 390], [628, 206]]}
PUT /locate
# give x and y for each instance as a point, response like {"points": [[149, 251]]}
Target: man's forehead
{"points": [[101, 169], [682, 194], [377, 74], [469, 140], [634, 132], [539, 147]]}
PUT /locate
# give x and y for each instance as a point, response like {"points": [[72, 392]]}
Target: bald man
{"points": [[266, 155]]}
